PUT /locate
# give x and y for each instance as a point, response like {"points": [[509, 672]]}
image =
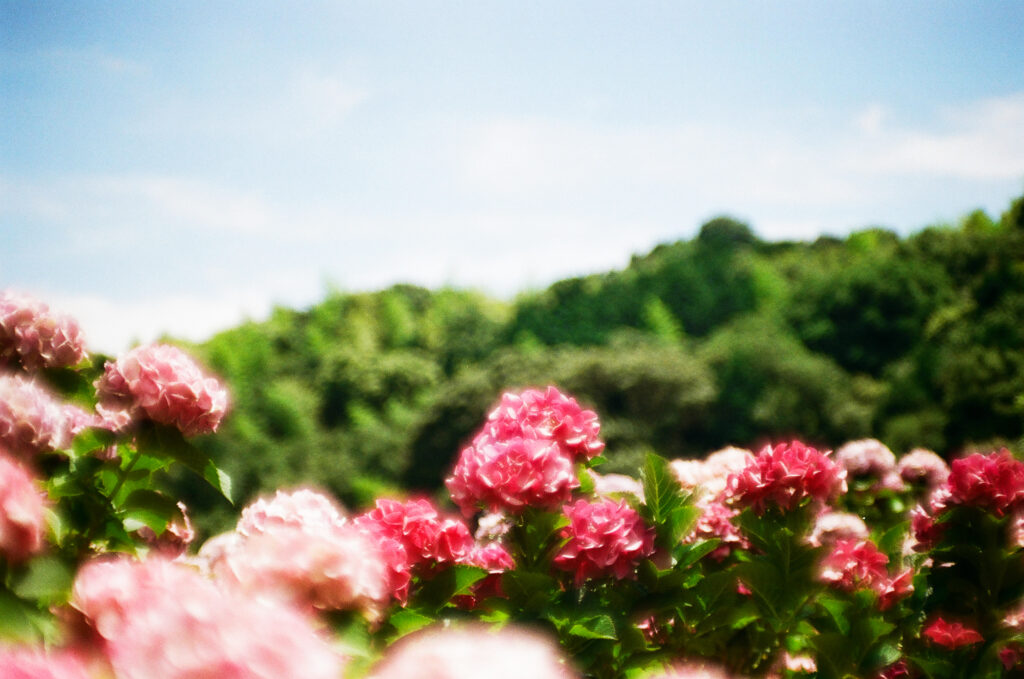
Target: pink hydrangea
{"points": [[548, 415], [858, 564], [831, 526], [926, 532], [604, 538], [951, 635], [616, 485], [304, 508], [716, 522], [711, 475], [785, 476], [29, 662], [495, 559], [35, 336], [162, 620], [870, 458], [167, 386], [428, 537], [511, 475], [472, 652], [31, 419], [923, 466], [22, 505], [176, 538], [993, 482]]}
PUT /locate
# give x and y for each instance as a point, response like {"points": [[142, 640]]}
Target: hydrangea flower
{"points": [[162, 620], [22, 521], [870, 458], [858, 564], [951, 635], [923, 466], [716, 522], [426, 535], [712, 473], [36, 337], [303, 508], [511, 475], [32, 420], [471, 652], [604, 538], [549, 415], [167, 386], [785, 476], [993, 482], [832, 526], [29, 662]]}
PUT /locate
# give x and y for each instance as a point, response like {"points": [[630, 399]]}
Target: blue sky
{"points": [[180, 166]]}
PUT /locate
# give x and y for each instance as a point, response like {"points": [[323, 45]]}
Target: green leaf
{"points": [[593, 627], [662, 493], [587, 485], [687, 555], [150, 508], [156, 440], [837, 610], [90, 440], [16, 619], [46, 579], [407, 621]]}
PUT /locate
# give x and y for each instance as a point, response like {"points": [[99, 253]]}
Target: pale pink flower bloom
{"points": [[870, 458], [34, 335], [492, 526], [689, 474], [716, 522], [166, 385], [804, 664], [923, 466], [549, 415], [22, 505], [337, 569], [31, 419], [30, 662], [831, 526], [693, 669], [472, 652], [511, 475], [711, 475], [605, 538], [786, 475], [163, 620], [616, 484], [304, 508]]}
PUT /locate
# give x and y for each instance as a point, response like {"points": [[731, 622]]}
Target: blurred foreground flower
{"points": [[22, 522], [473, 652], [33, 421], [951, 635]]}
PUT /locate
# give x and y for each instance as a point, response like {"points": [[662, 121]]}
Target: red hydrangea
{"points": [[926, 532], [22, 521], [511, 475], [549, 415], [163, 620], [785, 476], [951, 635], [604, 538], [167, 386], [36, 337], [858, 564], [31, 419], [993, 482]]}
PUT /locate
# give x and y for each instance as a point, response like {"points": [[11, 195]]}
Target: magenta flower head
{"points": [[604, 538], [993, 482], [549, 415], [951, 635], [472, 652], [36, 337], [159, 619], [511, 475], [22, 521], [785, 476], [167, 386]]}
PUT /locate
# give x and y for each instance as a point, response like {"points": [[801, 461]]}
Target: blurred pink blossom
{"points": [[163, 620], [951, 635], [993, 482], [472, 652], [165, 384], [923, 466], [34, 335], [870, 458], [716, 522], [22, 505], [32, 420], [604, 538], [30, 662], [303, 508], [831, 526]]}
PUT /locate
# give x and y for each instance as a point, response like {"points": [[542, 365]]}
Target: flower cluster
{"points": [[165, 385], [712, 473], [472, 652], [36, 337], [994, 483], [298, 547], [162, 620], [22, 521], [924, 467], [858, 564], [951, 635], [870, 458], [604, 538], [32, 420], [550, 415], [785, 476]]}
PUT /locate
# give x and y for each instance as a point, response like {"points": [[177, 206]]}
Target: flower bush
{"points": [[793, 562]]}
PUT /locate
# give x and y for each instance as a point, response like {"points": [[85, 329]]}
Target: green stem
{"points": [[121, 478]]}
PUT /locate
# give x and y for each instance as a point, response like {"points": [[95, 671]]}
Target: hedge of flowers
{"points": [[793, 562]]}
